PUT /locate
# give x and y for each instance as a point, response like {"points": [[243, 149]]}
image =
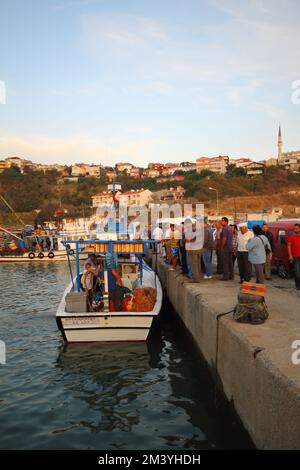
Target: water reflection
{"points": [[149, 394], [153, 395]]}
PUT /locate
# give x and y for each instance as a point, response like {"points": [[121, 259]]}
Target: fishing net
{"points": [[144, 299]]}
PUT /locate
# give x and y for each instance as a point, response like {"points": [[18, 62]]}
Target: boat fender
{"points": [[41, 255], [71, 252], [51, 254], [31, 255]]}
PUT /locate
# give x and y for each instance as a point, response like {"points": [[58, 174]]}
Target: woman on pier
{"points": [[257, 248]]}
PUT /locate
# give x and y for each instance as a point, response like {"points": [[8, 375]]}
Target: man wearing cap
{"points": [[244, 265]]}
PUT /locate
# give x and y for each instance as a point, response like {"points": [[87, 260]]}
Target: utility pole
{"points": [[214, 189]]}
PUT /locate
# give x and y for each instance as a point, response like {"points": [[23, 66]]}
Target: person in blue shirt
{"points": [[258, 247], [114, 282], [22, 245]]}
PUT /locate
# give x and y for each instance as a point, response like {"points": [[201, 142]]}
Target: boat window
{"points": [[282, 237]]}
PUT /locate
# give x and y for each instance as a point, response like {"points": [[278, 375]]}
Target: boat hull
{"points": [[58, 256], [101, 328], [112, 326], [24, 258]]}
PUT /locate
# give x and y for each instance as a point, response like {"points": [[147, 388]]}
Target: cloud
{"points": [[252, 40], [89, 88], [73, 148], [158, 88], [269, 109], [120, 32], [64, 4], [238, 94], [263, 35]]}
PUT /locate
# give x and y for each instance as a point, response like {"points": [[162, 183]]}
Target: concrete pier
{"points": [[254, 363]]}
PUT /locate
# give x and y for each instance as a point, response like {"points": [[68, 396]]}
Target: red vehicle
{"points": [[281, 231]]}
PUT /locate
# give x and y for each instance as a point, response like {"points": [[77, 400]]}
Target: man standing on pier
{"points": [[194, 248], [174, 237], [218, 226], [226, 250], [294, 253], [244, 265]]}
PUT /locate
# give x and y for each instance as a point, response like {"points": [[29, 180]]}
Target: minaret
{"points": [[279, 146]]}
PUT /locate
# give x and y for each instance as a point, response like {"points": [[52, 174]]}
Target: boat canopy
{"points": [[102, 247]]}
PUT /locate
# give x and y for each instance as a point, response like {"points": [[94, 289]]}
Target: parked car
{"points": [[281, 231]]}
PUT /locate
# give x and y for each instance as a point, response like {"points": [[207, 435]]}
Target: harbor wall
{"points": [[253, 362]]}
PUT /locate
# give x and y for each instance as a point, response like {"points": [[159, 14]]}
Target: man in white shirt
{"points": [[158, 235], [194, 248], [245, 267]]}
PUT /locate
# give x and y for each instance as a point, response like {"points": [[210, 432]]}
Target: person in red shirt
{"points": [[294, 253]]}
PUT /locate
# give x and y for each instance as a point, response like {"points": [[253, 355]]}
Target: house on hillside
{"points": [[135, 197], [173, 194], [255, 169]]}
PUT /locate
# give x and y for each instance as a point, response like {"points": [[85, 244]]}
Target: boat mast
{"points": [[12, 210], [10, 233]]}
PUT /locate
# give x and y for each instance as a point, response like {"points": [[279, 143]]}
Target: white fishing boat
{"points": [[34, 246], [81, 319], [53, 255]]}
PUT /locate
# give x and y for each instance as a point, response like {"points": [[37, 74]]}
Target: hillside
{"points": [[41, 196]]}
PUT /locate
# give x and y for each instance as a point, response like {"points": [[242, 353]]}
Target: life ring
{"points": [[41, 255], [51, 254], [31, 255]]}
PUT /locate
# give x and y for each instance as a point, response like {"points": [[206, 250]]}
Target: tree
{"points": [[205, 173], [10, 173], [233, 170], [102, 176]]}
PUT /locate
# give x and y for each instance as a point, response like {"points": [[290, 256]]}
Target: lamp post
{"points": [[214, 189]]}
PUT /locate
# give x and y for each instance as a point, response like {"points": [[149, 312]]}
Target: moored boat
{"points": [[87, 317], [33, 246]]}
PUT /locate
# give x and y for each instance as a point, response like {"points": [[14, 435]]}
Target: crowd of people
{"points": [[220, 246], [251, 249]]}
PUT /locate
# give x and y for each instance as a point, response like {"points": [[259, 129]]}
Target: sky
{"points": [[104, 81]]}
